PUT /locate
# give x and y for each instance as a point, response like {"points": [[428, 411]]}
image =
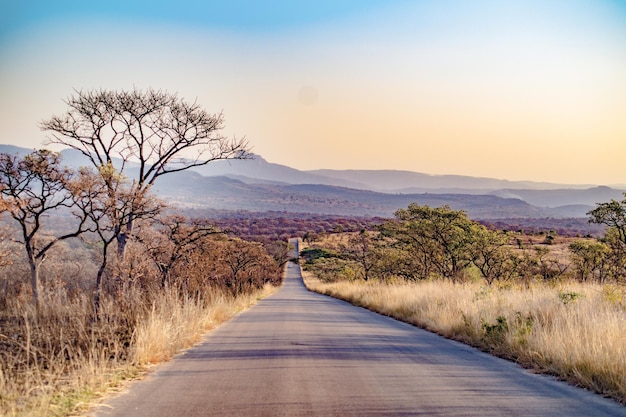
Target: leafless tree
{"points": [[246, 262], [153, 132], [178, 237], [107, 203], [31, 188]]}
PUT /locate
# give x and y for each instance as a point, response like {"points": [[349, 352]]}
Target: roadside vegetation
{"points": [[553, 304], [98, 278]]}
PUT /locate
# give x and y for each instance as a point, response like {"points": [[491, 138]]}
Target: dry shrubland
{"points": [[58, 357], [98, 277]]}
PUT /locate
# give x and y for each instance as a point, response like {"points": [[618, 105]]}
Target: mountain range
{"points": [[258, 185]]}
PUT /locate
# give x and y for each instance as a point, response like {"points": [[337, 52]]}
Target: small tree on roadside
{"points": [[107, 203], [613, 215], [242, 259], [361, 248], [547, 265], [145, 135], [589, 259], [490, 254], [31, 188], [616, 257], [439, 238], [177, 237]]}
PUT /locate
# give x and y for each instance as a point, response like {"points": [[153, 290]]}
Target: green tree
{"points": [[589, 259], [361, 249], [616, 257], [611, 214], [490, 254], [438, 239]]}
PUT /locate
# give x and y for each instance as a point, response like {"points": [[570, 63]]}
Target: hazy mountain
{"points": [[14, 150], [70, 157], [258, 168], [193, 190], [412, 182], [563, 197], [259, 185]]}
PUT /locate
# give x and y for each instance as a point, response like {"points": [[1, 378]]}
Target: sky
{"points": [[508, 89]]}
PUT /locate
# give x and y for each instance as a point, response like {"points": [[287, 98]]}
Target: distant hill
{"points": [[70, 157], [258, 185], [189, 189], [562, 196], [393, 181], [412, 182], [14, 150], [259, 170]]}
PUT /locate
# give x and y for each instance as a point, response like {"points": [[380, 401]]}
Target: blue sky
{"points": [[233, 15], [532, 89]]}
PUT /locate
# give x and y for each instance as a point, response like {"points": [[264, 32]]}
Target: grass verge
{"points": [[58, 361], [571, 330]]}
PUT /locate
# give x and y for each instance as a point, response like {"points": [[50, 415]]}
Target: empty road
{"points": [[298, 353]]}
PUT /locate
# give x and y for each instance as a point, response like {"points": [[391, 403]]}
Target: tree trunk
{"points": [[165, 276], [122, 238], [98, 287], [34, 275]]}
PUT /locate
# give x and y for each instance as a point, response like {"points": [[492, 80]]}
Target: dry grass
{"points": [[571, 330], [57, 361], [172, 326]]}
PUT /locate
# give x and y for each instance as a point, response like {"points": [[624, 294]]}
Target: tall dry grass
{"points": [[572, 330], [172, 325], [56, 361]]}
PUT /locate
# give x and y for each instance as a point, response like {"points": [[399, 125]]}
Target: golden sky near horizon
{"points": [[520, 90]]}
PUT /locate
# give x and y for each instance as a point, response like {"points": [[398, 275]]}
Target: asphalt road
{"points": [[298, 353]]}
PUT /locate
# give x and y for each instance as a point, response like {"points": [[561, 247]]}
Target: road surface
{"points": [[298, 353]]}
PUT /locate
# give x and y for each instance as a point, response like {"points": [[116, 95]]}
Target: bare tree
{"points": [[107, 203], [178, 236], [30, 189], [247, 262], [154, 132]]}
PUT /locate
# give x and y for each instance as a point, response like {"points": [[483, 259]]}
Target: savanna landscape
{"points": [[101, 277], [553, 304], [312, 208]]}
